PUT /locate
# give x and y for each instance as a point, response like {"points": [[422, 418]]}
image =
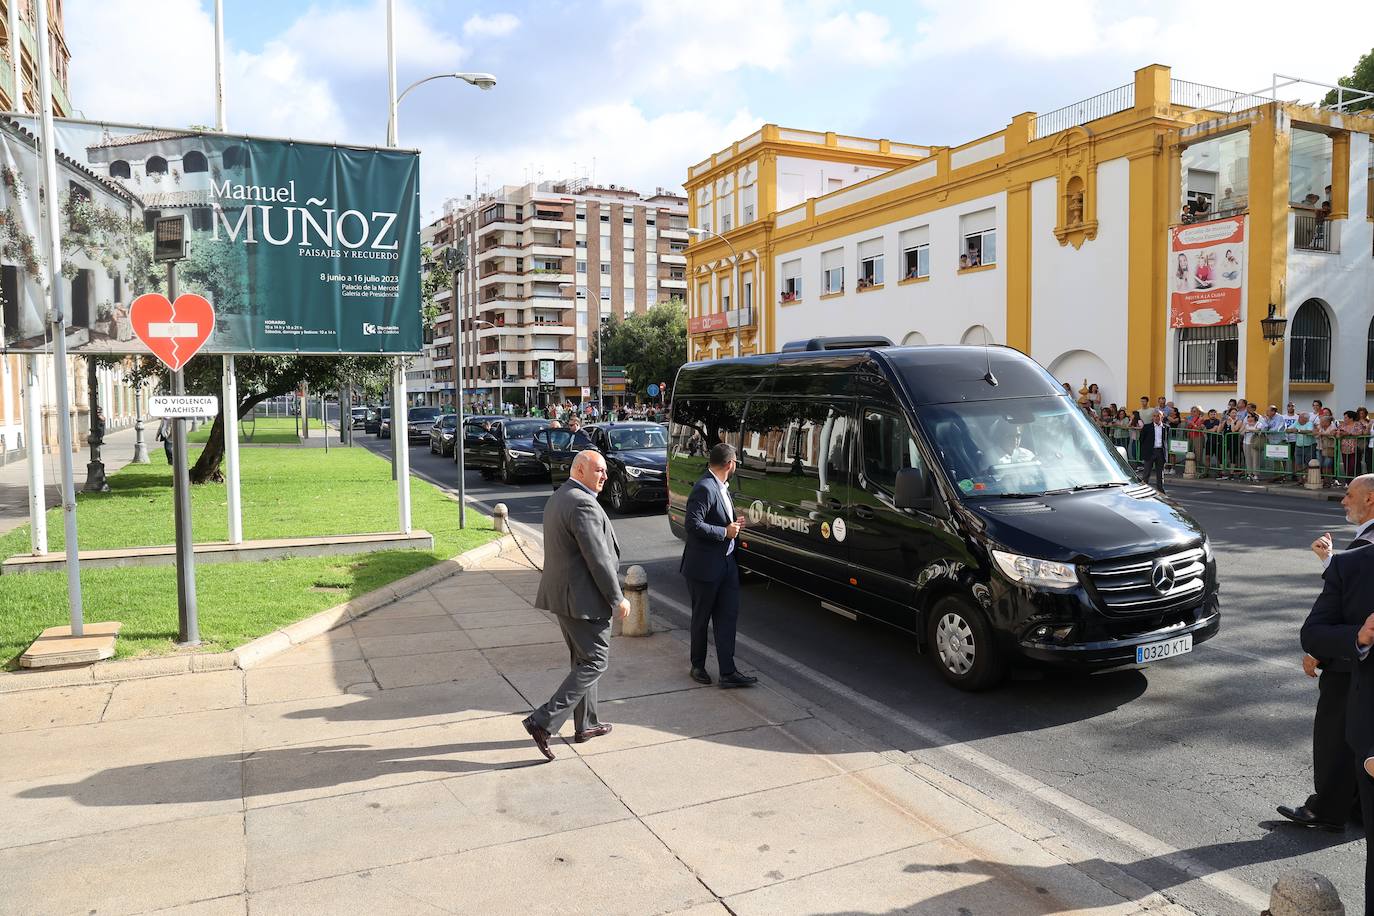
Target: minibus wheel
{"points": [[962, 646]]}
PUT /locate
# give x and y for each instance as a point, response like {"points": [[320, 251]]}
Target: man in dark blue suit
{"points": [[1341, 626], [708, 562]]}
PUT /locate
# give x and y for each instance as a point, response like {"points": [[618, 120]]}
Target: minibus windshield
{"points": [[1020, 447]]}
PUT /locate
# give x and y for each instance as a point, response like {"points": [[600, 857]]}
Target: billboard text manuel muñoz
{"points": [[300, 247]]}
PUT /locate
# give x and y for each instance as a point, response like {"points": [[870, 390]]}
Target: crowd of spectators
{"points": [[585, 412], [1237, 442]]}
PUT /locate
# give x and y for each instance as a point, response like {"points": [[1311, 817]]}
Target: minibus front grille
{"points": [[1149, 585]]}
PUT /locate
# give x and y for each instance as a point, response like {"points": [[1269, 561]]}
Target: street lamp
{"points": [[707, 233], [482, 81]]}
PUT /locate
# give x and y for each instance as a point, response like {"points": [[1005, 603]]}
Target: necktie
{"points": [[1358, 542]]}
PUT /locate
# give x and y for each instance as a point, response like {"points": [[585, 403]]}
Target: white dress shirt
{"points": [[1161, 432], [729, 509]]}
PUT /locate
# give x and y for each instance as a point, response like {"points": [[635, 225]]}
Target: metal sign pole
{"points": [[33, 444], [229, 409], [324, 421], [460, 456], [400, 439], [188, 623]]}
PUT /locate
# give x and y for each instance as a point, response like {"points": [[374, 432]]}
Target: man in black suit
{"points": [[1334, 767], [1341, 626], [708, 562], [1154, 445]]}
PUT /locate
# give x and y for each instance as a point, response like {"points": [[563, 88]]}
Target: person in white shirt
{"points": [[1154, 446]]}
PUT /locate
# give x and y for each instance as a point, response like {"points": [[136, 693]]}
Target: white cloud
{"points": [[496, 25], [862, 39], [352, 40]]}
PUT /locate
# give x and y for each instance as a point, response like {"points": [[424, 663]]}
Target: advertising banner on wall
{"points": [[299, 247], [1206, 273]]}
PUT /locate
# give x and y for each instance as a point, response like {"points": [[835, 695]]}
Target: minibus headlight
{"points": [[1032, 571]]}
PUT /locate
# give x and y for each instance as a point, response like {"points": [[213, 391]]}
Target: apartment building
{"points": [[550, 263], [1138, 239]]}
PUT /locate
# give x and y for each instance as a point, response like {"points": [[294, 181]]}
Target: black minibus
{"points": [[954, 492]]}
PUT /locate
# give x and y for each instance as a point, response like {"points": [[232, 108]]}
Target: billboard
{"points": [[299, 247], [1206, 273]]}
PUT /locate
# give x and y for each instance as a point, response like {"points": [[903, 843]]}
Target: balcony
{"points": [[672, 284], [672, 257], [1314, 232]]}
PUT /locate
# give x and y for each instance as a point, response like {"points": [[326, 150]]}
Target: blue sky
{"points": [[645, 88]]}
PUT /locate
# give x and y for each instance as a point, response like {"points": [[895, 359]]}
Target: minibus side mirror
{"points": [[913, 490]]}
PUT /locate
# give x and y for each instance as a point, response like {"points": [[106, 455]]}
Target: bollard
{"points": [[1190, 466], [1304, 893], [1314, 476], [498, 518], [636, 589]]}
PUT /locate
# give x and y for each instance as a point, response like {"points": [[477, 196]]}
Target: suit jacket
{"points": [[1347, 599], [1344, 664], [581, 556], [704, 552]]}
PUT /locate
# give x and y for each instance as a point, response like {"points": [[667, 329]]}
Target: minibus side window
{"points": [[795, 449], [888, 447]]}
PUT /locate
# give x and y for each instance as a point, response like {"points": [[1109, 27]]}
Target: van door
{"points": [[888, 547], [792, 485]]}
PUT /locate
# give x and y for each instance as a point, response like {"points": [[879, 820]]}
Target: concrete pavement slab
{"points": [[53, 707], [402, 626], [431, 668], [280, 775], [272, 685], [599, 871], [479, 620], [288, 844], [512, 660], [357, 894], [750, 841], [663, 717], [415, 643], [725, 765], [50, 753], [347, 716], [420, 604], [167, 696], [493, 637], [235, 905], [626, 677], [318, 651], [127, 871]]}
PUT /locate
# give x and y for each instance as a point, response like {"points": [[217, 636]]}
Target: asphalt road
{"points": [[1194, 752]]}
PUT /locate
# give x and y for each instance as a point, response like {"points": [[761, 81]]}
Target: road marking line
{"points": [[1143, 843]]}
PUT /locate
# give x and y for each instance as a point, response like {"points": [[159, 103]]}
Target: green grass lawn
{"points": [[262, 431], [286, 493]]}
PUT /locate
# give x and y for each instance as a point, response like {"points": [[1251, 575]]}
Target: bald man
{"points": [[581, 585]]}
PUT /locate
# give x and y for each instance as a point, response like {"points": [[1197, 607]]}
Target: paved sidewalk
{"points": [[117, 451], [382, 768]]}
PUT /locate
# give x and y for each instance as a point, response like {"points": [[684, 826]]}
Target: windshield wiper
{"points": [[1095, 486]]}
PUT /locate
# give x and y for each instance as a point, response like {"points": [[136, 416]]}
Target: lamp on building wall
{"points": [[1273, 326]]}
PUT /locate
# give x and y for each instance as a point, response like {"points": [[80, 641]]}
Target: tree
{"points": [[1362, 78], [261, 378], [651, 345]]}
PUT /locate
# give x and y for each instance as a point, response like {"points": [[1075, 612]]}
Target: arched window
{"points": [[157, 165], [233, 157], [1369, 355], [120, 169], [1309, 344], [194, 161]]}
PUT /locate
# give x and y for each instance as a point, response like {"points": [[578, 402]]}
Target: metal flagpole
{"points": [[58, 318], [400, 432], [229, 385]]}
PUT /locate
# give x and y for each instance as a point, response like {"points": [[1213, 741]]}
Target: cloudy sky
{"points": [[641, 89]]}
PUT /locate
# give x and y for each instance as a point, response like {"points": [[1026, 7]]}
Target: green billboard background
{"points": [[300, 247]]}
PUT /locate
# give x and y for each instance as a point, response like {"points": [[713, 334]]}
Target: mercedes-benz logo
{"points": [[1162, 577]]}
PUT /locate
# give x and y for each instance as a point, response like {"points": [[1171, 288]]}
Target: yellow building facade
{"points": [[1055, 235]]}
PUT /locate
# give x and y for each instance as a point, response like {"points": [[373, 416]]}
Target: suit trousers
{"points": [[589, 650], [1367, 811], [1334, 767], [715, 603], [1154, 461]]}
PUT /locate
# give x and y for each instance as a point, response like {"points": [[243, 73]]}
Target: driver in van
{"points": [[1013, 451]]}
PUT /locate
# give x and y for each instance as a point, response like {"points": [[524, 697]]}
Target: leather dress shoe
{"points": [[1302, 815], [735, 679], [700, 676], [595, 731], [540, 736]]}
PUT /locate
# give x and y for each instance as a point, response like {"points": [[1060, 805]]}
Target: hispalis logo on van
{"points": [[759, 514]]}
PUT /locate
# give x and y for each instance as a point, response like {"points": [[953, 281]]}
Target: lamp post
{"points": [[707, 233]]}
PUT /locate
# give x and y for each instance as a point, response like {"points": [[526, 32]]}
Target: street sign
{"points": [[183, 406], [653, 391], [546, 372], [174, 332], [612, 372], [169, 238]]}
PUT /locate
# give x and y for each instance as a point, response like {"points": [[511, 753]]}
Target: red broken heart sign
{"points": [[173, 331]]}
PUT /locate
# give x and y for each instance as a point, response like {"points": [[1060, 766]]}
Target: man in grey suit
{"points": [[581, 585]]}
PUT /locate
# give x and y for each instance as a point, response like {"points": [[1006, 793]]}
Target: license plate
{"points": [[1157, 651]]}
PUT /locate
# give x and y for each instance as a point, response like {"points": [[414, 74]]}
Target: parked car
{"points": [[636, 460], [359, 417], [441, 435], [418, 422], [953, 492], [384, 423], [504, 446]]}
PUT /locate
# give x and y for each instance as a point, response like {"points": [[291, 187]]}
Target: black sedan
{"points": [[502, 446], [441, 435], [636, 460], [418, 422], [375, 417]]}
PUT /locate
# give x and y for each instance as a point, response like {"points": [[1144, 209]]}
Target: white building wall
{"points": [[1344, 280], [1078, 295], [941, 309], [799, 178]]}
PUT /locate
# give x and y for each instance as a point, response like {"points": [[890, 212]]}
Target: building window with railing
{"points": [[1309, 170], [1208, 355], [915, 246], [791, 281], [870, 264], [979, 239], [832, 271], [1216, 177], [1309, 344]]}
